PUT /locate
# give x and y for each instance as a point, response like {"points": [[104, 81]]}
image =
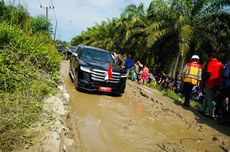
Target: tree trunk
{"points": [[182, 64], [176, 65]]}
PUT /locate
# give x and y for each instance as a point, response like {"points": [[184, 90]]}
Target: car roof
{"points": [[72, 47], [94, 48]]}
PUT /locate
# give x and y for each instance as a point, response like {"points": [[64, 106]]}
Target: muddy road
{"points": [[142, 120]]}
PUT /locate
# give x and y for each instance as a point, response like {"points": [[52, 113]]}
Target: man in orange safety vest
{"points": [[191, 77]]}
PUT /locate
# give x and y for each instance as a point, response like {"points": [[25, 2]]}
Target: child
{"points": [[145, 75]]}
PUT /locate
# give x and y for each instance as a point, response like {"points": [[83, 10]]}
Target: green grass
{"points": [[29, 66], [171, 94], [155, 86]]}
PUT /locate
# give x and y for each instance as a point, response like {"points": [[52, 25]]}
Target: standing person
{"points": [[226, 78], [151, 77], [213, 78], [137, 69], [191, 77], [119, 59], [225, 104], [145, 74], [128, 64]]}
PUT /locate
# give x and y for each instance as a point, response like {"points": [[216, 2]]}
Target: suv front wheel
{"points": [[76, 81]]}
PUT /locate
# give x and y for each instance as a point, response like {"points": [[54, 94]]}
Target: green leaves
{"points": [[40, 24], [185, 38], [164, 31], [29, 66]]}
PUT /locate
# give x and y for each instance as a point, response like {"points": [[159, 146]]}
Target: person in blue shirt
{"points": [[129, 64]]}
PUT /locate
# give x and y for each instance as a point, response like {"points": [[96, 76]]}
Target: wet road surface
{"points": [[138, 121]]}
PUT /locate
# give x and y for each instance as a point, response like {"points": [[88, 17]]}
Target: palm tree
{"points": [[180, 17], [161, 34], [167, 33], [131, 26]]}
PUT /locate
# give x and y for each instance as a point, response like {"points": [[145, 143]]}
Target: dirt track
{"points": [[142, 120]]}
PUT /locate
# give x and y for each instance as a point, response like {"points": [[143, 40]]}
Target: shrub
{"points": [[28, 72]]}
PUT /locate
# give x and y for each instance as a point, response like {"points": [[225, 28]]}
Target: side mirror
{"points": [[75, 54]]}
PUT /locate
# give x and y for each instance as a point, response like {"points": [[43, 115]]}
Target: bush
{"points": [[29, 68]]}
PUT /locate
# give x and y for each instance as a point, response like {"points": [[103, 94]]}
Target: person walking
{"points": [[191, 77], [213, 81]]}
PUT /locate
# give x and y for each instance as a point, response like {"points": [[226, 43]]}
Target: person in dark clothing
{"points": [[224, 105]]}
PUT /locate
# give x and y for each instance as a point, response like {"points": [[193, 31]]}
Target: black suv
{"points": [[89, 67]]}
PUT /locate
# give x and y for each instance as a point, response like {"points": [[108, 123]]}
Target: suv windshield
{"points": [[93, 54]]}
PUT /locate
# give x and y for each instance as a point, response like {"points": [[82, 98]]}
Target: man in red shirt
{"points": [[191, 78], [213, 78]]}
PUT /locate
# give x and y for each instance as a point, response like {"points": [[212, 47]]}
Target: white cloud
{"points": [[74, 16]]}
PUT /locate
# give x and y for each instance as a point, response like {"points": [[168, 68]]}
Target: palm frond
{"points": [[185, 38], [198, 6], [216, 6], [157, 35]]}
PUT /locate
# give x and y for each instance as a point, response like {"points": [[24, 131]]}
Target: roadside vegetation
{"points": [[166, 34], [176, 97], [29, 65]]}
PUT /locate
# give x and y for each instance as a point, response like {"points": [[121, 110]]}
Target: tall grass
{"points": [[28, 72]]}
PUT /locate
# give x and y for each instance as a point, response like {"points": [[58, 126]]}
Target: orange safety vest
{"points": [[192, 72]]}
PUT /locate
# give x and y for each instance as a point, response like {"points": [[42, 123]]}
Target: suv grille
{"points": [[99, 75]]}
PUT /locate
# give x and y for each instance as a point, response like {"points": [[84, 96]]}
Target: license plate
{"points": [[104, 89]]}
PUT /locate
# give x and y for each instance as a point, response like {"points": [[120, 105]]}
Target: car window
{"points": [[73, 48], [93, 54]]}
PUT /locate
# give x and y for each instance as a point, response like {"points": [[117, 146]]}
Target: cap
{"points": [[195, 57]]}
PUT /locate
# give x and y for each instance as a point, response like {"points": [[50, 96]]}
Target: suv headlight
{"points": [[85, 69]]}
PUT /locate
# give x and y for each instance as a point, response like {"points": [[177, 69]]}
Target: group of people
{"points": [[135, 71], [210, 84], [214, 82]]}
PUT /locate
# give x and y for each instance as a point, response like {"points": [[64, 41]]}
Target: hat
{"points": [[195, 57]]}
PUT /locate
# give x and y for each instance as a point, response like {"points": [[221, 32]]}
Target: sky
{"points": [[74, 16]]}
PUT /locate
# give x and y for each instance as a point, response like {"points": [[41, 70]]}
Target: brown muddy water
{"points": [[142, 120]]}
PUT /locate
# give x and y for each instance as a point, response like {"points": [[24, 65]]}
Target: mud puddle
{"points": [[142, 120]]}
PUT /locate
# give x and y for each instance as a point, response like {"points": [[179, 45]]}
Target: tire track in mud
{"points": [[157, 108], [164, 109], [79, 145]]}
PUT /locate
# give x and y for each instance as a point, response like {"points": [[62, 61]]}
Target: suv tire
{"points": [[76, 82]]}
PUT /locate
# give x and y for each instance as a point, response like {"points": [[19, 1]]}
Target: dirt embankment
{"points": [[52, 132]]}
